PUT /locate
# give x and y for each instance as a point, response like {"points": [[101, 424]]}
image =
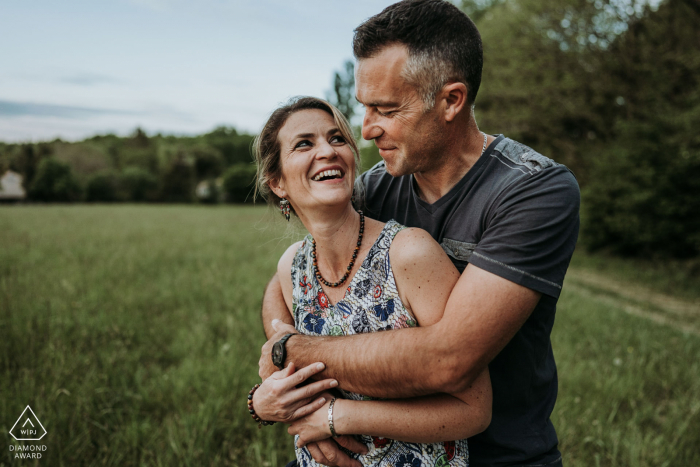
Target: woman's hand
{"points": [[313, 427], [279, 400]]}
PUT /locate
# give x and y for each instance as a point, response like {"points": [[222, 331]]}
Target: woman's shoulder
{"points": [[284, 266], [411, 244], [423, 273]]}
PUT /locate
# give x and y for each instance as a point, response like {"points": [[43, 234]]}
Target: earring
{"points": [[285, 208]]}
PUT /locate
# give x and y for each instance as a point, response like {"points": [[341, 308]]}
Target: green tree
{"points": [[54, 182], [178, 181], [208, 162], [139, 184], [238, 183], [105, 186], [233, 146], [343, 94], [643, 197]]}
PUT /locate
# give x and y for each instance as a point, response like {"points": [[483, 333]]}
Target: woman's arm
{"points": [[425, 277], [429, 419]]}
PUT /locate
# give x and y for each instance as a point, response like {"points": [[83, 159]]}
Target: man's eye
{"points": [[385, 113]]}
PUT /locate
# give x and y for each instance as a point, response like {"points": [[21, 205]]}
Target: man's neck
{"points": [[457, 160]]}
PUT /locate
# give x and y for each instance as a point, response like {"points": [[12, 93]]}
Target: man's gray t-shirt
{"points": [[514, 214]]}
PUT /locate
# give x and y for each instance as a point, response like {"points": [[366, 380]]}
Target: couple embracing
{"points": [[456, 244]]}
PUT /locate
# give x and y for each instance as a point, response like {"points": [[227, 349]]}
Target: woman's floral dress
{"points": [[371, 303]]}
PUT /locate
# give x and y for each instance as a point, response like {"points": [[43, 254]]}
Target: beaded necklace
{"points": [[352, 261]]}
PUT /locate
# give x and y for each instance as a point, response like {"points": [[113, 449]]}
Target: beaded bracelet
{"points": [[251, 410]]}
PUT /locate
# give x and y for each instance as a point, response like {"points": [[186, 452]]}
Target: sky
{"points": [[76, 68]]}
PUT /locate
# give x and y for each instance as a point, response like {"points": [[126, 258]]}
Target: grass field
{"points": [[133, 332]]}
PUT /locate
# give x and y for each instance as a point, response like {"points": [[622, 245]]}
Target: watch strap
{"points": [[283, 343]]}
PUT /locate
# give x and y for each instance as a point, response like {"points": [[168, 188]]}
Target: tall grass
{"points": [[133, 332]]}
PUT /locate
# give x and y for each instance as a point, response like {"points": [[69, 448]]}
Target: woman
{"points": [[353, 274]]}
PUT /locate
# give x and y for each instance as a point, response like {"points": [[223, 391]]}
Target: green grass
{"points": [[134, 333], [664, 275]]}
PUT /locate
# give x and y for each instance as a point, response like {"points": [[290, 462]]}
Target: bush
{"points": [[643, 199], [139, 184], [208, 162], [238, 183], [54, 181], [178, 181], [104, 186]]}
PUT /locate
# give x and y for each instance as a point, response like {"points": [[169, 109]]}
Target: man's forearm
{"points": [[394, 364], [482, 314]]}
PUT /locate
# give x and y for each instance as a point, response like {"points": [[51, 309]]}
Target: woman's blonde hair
{"points": [[266, 148]]}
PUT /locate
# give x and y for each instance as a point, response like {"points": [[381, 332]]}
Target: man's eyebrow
{"points": [[378, 103]]}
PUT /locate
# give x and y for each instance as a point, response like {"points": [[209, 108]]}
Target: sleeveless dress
{"points": [[371, 303]]}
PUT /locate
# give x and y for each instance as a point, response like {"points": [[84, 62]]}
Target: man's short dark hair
{"points": [[443, 45]]}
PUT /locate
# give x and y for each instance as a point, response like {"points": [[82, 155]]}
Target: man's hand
{"points": [[265, 363], [327, 452]]}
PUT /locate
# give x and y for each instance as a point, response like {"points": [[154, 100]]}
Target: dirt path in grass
{"points": [[636, 300]]}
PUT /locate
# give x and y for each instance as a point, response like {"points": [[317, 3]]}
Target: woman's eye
{"points": [[338, 140], [303, 144]]}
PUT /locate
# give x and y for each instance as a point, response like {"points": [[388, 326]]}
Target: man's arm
{"points": [[483, 313]]}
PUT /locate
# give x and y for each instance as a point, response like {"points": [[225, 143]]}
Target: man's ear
{"points": [[455, 99], [277, 187]]}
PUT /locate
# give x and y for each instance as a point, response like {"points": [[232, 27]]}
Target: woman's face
{"points": [[318, 165]]}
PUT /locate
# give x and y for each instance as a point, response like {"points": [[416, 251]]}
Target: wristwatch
{"points": [[279, 352]]}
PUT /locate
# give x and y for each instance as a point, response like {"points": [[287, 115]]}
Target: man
{"points": [[506, 215]]}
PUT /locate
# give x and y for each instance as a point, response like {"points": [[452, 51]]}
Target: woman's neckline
{"points": [[351, 280]]}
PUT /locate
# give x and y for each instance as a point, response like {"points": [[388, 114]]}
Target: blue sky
{"points": [[75, 68]]}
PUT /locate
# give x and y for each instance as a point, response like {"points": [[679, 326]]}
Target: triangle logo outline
{"points": [[20, 419]]}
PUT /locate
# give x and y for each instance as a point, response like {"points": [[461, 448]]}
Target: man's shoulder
{"points": [[521, 158], [516, 166]]}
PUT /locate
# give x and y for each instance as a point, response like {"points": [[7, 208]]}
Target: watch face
{"points": [[277, 354]]}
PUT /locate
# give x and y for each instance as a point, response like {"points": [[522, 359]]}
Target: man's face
{"points": [[407, 137]]}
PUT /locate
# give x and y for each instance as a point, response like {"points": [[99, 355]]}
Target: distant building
{"points": [[11, 187]]}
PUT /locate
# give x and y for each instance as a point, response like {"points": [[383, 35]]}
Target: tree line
{"points": [[209, 168]]}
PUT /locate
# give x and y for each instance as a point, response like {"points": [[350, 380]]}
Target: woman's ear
{"points": [[277, 187]]}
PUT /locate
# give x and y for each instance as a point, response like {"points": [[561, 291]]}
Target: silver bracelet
{"points": [[330, 418]]}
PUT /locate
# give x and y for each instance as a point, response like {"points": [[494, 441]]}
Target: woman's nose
{"points": [[326, 151]]}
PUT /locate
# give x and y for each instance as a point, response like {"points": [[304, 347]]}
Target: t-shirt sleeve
{"points": [[532, 230]]}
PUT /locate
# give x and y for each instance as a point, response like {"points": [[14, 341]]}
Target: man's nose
{"points": [[370, 128]]}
